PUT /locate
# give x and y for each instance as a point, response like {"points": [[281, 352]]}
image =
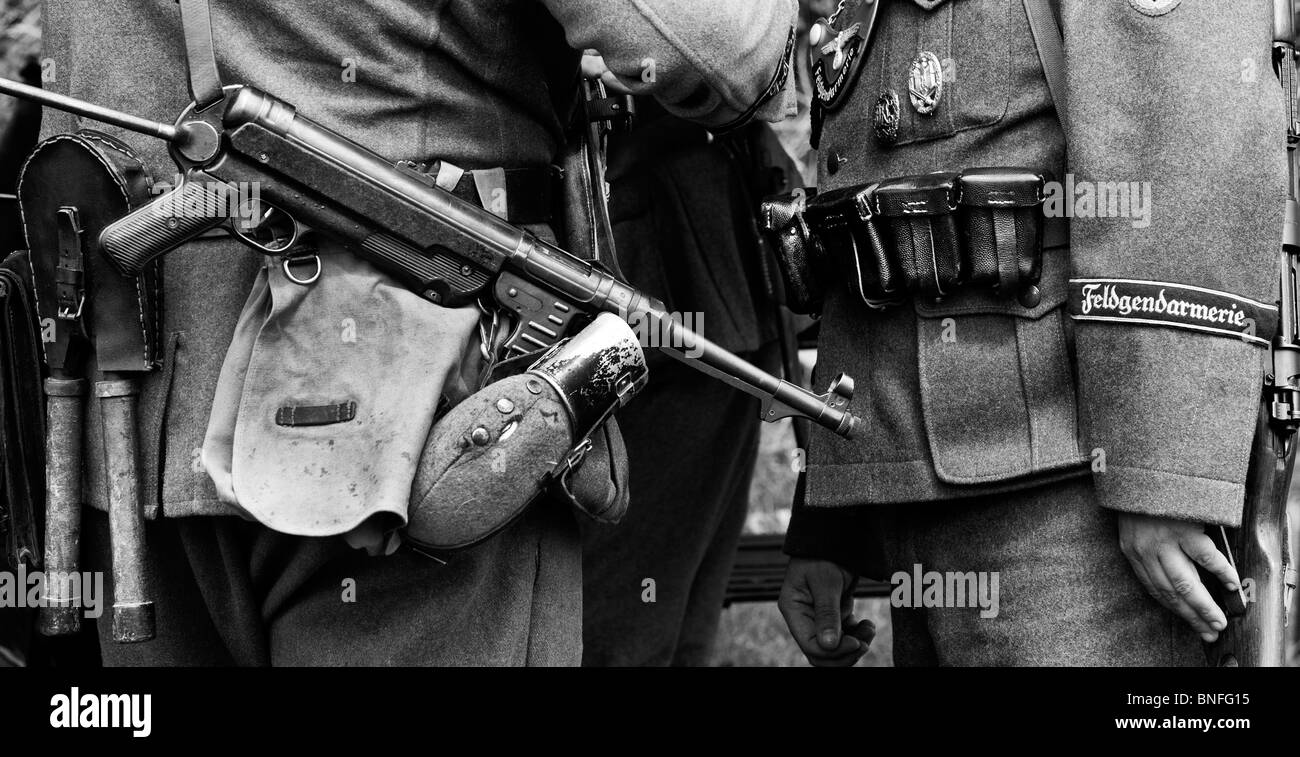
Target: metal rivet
{"points": [[464, 270], [512, 292], [480, 436], [505, 406], [534, 386]]}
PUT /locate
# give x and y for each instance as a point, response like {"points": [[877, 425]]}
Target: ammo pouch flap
{"points": [[327, 394], [22, 418]]}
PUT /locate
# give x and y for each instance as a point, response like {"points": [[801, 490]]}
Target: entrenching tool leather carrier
{"points": [[102, 179], [920, 236]]}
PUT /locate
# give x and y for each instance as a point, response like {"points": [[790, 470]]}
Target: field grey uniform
{"points": [[978, 452], [456, 80]]}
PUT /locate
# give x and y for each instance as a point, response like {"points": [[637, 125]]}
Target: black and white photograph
{"points": [[392, 335]]}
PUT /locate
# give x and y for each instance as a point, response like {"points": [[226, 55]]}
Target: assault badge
{"points": [[836, 58], [925, 83]]}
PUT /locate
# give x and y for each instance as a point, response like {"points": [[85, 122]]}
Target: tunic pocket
{"points": [[998, 391], [972, 44]]}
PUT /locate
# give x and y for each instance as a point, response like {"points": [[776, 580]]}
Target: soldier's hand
{"points": [[593, 67], [1164, 553], [817, 604]]}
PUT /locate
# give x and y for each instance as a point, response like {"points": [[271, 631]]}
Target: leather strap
{"points": [[1044, 25], [22, 420], [69, 281], [200, 53]]}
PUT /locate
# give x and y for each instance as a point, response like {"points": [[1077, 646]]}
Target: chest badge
{"points": [[925, 83], [835, 59], [885, 122], [836, 54]]}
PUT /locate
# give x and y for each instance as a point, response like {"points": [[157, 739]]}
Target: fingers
{"points": [[846, 655], [1166, 594], [614, 84], [826, 594], [1201, 548], [863, 630], [593, 67], [1154, 577], [1186, 583], [1162, 551], [809, 602]]}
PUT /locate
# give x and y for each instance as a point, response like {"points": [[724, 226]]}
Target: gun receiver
{"points": [[447, 250]]}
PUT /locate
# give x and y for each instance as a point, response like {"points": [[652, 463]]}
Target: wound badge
{"points": [[886, 117], [925, 83]]}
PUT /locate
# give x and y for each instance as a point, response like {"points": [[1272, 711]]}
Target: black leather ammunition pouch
{"points": [[918, 220], [922, 236], [849, 234], [1002, 218]]}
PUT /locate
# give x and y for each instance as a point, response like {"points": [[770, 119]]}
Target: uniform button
{"points": [[480, 436], [833, 162]]}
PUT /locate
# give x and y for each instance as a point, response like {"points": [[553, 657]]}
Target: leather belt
{"points": [[925, 236]]}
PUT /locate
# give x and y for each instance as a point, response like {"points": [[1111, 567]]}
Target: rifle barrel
{"points": [[90, 110]]}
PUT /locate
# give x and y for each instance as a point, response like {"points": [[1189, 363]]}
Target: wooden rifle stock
{"points": [[1260, 549]]}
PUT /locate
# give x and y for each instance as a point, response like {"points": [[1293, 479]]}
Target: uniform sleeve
{"points": [[1179, 96], [851, 537], [716, 63]]}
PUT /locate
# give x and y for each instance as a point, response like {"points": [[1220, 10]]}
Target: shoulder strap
{"points": [[1044, 24], [200, 56]]}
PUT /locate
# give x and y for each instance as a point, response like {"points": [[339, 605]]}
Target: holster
{"points": [[22, 417], [799, 255]]}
